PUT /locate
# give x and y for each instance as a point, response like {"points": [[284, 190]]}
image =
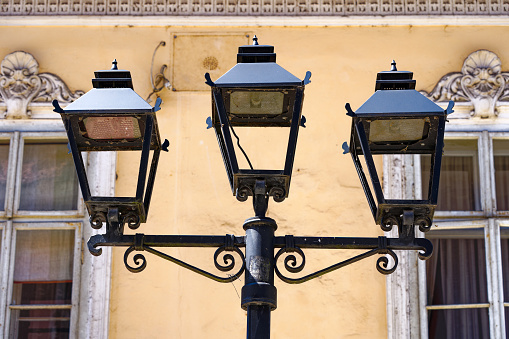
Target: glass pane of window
{"points": [[459, 323], [43, 275], [459, 178], [456, 274], [4, 163], [41, 324], [501, 163], [504, 246], [48, 179]]}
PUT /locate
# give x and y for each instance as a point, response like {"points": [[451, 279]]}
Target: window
{"points": [[467, 279], [41, 220]]}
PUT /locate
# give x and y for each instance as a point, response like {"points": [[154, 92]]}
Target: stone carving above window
{"points": [[21, 84], [481, 86], [254, 7]]}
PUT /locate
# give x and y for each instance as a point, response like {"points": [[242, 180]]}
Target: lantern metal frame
{"points": [[256, 71], [259, 260], [395, 100], [113, 97]]}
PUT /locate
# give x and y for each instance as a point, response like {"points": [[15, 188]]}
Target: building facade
{"points": [[51, 287]]}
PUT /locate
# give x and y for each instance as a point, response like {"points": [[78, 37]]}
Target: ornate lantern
{"points": [[398, 120], [112, 117], [257, 92]]}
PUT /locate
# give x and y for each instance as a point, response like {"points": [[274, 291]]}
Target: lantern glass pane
{"points": [[112, 128], [258, 102], [397, 130]]}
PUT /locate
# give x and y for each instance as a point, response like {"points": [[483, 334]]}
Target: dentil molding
{"points": [[254, 7]]}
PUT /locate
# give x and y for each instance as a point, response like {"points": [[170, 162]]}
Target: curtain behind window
{"points": [[4, 163], [456, 274], [457, 190], [48, 178]]}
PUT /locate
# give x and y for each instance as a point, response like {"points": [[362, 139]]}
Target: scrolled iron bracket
{"points": [[141, 242], [381, 246]]}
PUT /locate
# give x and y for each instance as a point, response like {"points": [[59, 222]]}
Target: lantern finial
{"points": [[114, 65], [255, 41], [393, 66]]}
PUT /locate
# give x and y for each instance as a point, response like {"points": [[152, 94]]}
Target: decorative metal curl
{"points": [[132, 220], [136, 259], [243, 193], [228, 259], [290, 262], [97, 220], [278, 194], [383, 262], [424, 224], [388, 222]]}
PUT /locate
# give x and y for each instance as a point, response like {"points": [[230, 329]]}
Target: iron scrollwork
{"points": [[138, 243], [381, 245]]}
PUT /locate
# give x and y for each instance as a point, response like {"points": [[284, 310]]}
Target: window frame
{"points": [[58, 137], [92, 275], [24, 226], [485, 218]]}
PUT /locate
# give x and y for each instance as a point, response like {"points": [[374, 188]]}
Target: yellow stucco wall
{"points": [[192, 194]]}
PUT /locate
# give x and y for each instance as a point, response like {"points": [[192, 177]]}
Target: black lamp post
{"points": [[254, 93]]}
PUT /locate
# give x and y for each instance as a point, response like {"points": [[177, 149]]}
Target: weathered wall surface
{"points": [[192, 194]]}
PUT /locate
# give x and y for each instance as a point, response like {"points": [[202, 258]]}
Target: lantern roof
{"points": [[110, 100], [406, 102], [112, 93], [256, 67]]}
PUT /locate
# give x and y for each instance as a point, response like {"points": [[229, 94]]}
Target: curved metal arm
{"points": [[384, 246], [228, 259], [141, 242]]}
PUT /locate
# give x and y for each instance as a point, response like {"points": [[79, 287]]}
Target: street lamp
{"points": [[255, 93]]}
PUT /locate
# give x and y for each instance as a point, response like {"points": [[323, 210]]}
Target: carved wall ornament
{"points": [[21, 84], [481, 83]]}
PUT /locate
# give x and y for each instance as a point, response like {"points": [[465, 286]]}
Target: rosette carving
{"points": [[21, 84], [481, 82]]}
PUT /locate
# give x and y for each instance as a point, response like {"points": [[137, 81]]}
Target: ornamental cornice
{"points": [[480, 90], [22, 85], [252, 7]]}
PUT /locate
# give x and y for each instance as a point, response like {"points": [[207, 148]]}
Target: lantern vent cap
{"points": [[113, 78], [394, 79], [256, 53]]}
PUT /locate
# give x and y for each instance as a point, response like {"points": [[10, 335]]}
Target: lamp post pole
{"points": [[259, 295]]}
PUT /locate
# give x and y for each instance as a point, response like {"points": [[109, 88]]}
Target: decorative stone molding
{"points": [[481, 84], [254, 7], [21, 84]]}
